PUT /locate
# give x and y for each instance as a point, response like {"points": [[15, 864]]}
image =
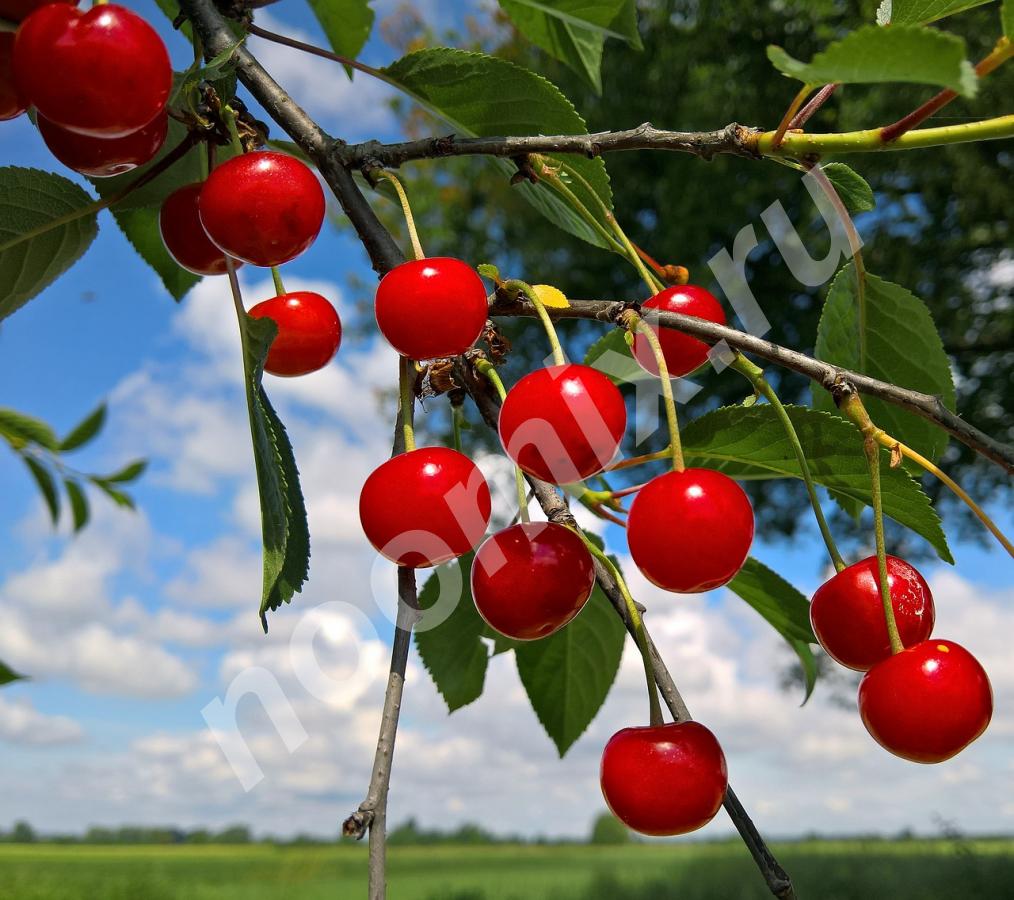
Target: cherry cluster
{"points": [[100, 82]]}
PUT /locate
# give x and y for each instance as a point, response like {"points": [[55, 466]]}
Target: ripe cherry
{"points": [[104, 72], [682, 352], [563, 423], [847, 613], [16, 10], [184, 236], [425, 507], [103, 157], [309, 332], [264, 207], [531, 579], [926, 703], [690, 531], [664, 779], [429, 308], [12, 101]]}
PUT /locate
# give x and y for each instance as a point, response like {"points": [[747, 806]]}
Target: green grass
{"points": [[842, 870]]}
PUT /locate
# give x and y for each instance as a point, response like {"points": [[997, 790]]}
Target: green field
{"points": [[926, 870]]}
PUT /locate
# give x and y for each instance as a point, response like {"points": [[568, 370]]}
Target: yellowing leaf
{"points": [[550, 297]]}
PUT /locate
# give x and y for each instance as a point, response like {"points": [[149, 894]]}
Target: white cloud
{"points": [[21, 723]]}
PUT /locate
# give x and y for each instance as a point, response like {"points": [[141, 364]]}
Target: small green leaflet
{"points": [[78, 503], [31, 199], [921, 12], [783, 607], [346, 23], [901, 53], [19, 429], [750, 443], [480, 95], [855, 193], [899, 344], [47, 487], [7, 675], [85, 431], [573, 31], [567, 675], [284, 530]]}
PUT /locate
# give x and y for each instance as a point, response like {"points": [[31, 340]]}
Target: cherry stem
{"points": [[632, 461], [406, 399], [635, 323], [790, 114], [640, 636], [406, 209], [488, 370], [549, 175], [627, 491], [559, 358], [898, 448], [852, 406], [755, 375], [816, 102], [229, 115], [276, 277], [457, 415]]}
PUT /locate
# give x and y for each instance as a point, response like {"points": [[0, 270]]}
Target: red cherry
{"points": [[682, 352], [563, 423], [264, 207], [690, 531], [847, 613], [104, 72], [425, 507], [664, 779], [103, 157], [184, 236], [530, 580], [16, 10], [429, 308], [926, 703], [12, 101], [309, 332]]}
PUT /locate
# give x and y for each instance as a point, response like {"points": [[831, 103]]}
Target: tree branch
{"points": [[926, 405]]}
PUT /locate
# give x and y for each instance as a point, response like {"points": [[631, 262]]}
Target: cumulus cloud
{"points": [[21, 723]]}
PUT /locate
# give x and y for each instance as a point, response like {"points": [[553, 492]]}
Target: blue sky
{"points": [[132, 627]]}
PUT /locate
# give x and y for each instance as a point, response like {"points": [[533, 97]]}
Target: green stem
{"points": [[654, 708], [488, 370], [755, 375], [406, 209], [229, 114], [548, 175], [406, 385], [276, 276], [457, 414], [636, 323], [790, 113], [554, 341]]}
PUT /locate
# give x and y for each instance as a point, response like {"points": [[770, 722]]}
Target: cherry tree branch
{"points": [[927, 406]]}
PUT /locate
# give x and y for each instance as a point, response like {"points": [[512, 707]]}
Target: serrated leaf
{"points": [[284, 531], [47, 486], [482, 95], [141, 228], [130, 472], [20, 429], [855, 193], [921, 12], [901, 53], [784, 608], [85, 430], [750, 444], [899, 344], [611, 356], [347, 24], [7, 674], [78, 503], [453, 651], [568, 674], [31, 199]]}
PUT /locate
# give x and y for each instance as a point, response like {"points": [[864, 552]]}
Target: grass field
{"points": [[927, 870]]}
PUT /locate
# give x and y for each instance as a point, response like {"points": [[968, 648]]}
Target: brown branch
{"points": [[927, 406], [556, 510]]}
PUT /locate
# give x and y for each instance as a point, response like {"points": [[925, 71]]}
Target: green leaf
{"points": [[20, 429], [901, 346], [784, 608], [347, 24], [480, 95], [568, 674], [130, 472], [901, 53], [855, 193], [85, 430], [921, 12], [7, 675], [141, 228], [117, 496], [748, 444], [78, 503], [453, 652], [31, 199], [611, 356], [47, 486], [1007, 18], [284, 531]]}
